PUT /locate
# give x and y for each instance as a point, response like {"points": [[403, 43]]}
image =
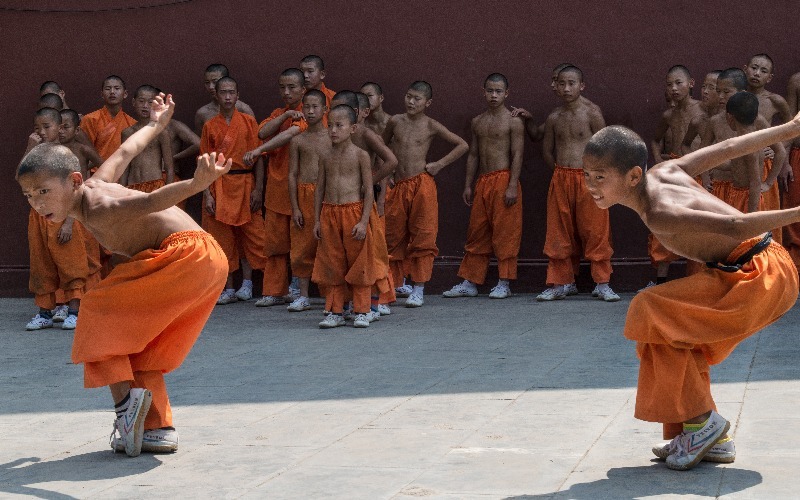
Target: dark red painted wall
{"points": [[624, 51]]}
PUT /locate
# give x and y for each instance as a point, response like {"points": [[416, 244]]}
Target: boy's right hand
{"points": [[249, 158], [293, 115], [34, 140], [297, 217], [317, 231], [210, 167], [162, 109], [467, 196], [522, 113]]}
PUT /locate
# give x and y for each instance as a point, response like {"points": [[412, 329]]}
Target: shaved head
{"points": [[315, 93], [347, 97], [314, 59], [293, 72], [49, 87], [680, 68], [736, 76], [572, 69], [51, 113], [51, 159], [218, 68], [346, 110], [496, 77], [226, 79], [145, 89], [374, 86], [51, 101], [620, 146], [422, 86], [111, 78], [72, 115]]}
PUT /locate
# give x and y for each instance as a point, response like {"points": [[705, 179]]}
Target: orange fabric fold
{"points": [[246, 240], [575, 220], [493, 228], [161, 320], [147, 186], [658, 253], [276, 197], [412, 224], [717, 311], [791, 199], [105, 131], [302, 241]]}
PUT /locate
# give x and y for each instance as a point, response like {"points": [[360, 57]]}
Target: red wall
{"points": [[623, 51]]}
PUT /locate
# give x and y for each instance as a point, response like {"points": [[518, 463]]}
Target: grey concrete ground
{"points": [[463, 398]]}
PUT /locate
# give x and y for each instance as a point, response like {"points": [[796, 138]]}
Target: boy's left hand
{"points": [[162, 109], [511, 195], [65, 233], [359, 231], [209, 168], [255, 200]]}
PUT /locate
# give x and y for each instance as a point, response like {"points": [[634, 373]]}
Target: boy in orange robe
{"points": [[104, 127]]}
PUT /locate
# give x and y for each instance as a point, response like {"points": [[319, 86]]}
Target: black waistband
{"points": [[745, 257], [240, 171]]}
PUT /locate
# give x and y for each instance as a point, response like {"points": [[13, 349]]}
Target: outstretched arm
{"points": [[740, 226], [276, 142], [709, 157], [160, 114]]}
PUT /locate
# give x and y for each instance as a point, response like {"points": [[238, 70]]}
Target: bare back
{"points": [[569, 128], [411, 139], [146, 166], [311, 147], [493, 132], [343, 179]]}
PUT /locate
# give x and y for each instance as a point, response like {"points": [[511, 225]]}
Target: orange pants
{"points": [[683, 326], [302, 241], [493, 228], [56, 266], [147, 186], [771, 200], [658, 253], [739, 198], [573, 218], [277, 249], [412, 223], [343, 263], [791, 199], [384, 286], [247, 239], [136, 325], [720, 189]]}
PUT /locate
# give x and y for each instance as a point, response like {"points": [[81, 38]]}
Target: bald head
{"points": [[679, 68], [346, 97], [50, 159], [423, 87], [49, 87], [51, 101]]}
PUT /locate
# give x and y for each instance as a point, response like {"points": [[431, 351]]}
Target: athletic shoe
{"points": [[332, 321], [39, 322], [384, 309], [501, 291], [571, 289], [649, 284], [416, 299], [269, 300], [301, 304], [464, 289], [361, 321], [723, 453], [556, 292], [691, 447], [227, 296], [153, 441], [294, 289], [130, 425], [373, 316], [347, 312], [403, 291], [60, 313], [245, 293], [603, 291], [70, 323]]}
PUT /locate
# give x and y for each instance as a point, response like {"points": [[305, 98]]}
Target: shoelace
{"points": [[681, 445], [112, 440]]}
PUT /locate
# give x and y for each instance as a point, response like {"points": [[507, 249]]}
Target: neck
{"points": [[498, 110], [755, 90], [343, 145], [227, 113], [113, 109], [76, 210], [574, 104], [376, 115], [418, 116], [317, 127]]}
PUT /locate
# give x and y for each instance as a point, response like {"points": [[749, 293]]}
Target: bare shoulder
{"points": [[776, 98], [794, 81], [243, 107]]}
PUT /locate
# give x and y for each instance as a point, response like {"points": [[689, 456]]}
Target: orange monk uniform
{"points": [[278, 218], [157, 322], [58, 272], [384, 284], [105, 131], [147, 186], [329, 95], [771, 200], [344, 264], [573, 216], [233, 225], [412, 223], [683, 326], [303, 243], [493, 228], [791, 199]]}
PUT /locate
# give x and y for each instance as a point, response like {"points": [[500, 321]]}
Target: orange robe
{"points": [[233, 225], [771, 200], [105, 131], [278, 217], [55, 268], [384, 284], [161, 321], [412, 223], [344, 264], [147, 186], [791, 199], [573, 217], [493, 228], [683, 326], [303, 243]]}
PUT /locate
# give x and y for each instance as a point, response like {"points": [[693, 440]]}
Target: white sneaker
{"points": [[60, 313], [501, 291], [269, 300], [347, 312], [403, 291], [384, 309], [416, 299], [571, 289], [691, 447], [153, 441], [70, 323], [245, 293], [373, 316], [39, 322], [722, 453], [361, 321], [130, 426], [332, 321], [227, 296], [464, 289], [557, 292], [603, 291], [649, 284], [294, 289], [300, 304]]}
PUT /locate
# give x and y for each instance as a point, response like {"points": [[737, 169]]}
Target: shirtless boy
{"points": [[87, 156], [165, 245], [342, 206], [313, 68], [144, 171], [305, 152], [377, 118], [750, 282], [412, 212], [208, 111], [572, 219], [495, 221]]}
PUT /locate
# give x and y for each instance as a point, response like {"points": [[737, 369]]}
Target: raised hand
{"points": [[210, 167], [162, 109], [521, 112]]}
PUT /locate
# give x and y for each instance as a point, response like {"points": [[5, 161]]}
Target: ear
{"points": [[691, 83], [428, 102], [731, 120], [322, 74], [76, 179], [583, 86], [124, 94], [635, 175]]}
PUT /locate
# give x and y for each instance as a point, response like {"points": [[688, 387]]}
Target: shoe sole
{"points": [[138, 428], [270, 305], [224, 303], [68, 327], [328, 327], [295, 310], [459, 296], [37, 328], [497, 297], [361, 325], [701, 454], [550, 300], [413, 305], [152, 447], [710, 457]]}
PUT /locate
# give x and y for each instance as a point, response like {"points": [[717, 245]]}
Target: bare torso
{"points": [[343, 179], [718, 130], [146, 166], [411, 139], [572, 129], [377, 125], [493, 132], [678, 120], [311, 147], [78, 150]]}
